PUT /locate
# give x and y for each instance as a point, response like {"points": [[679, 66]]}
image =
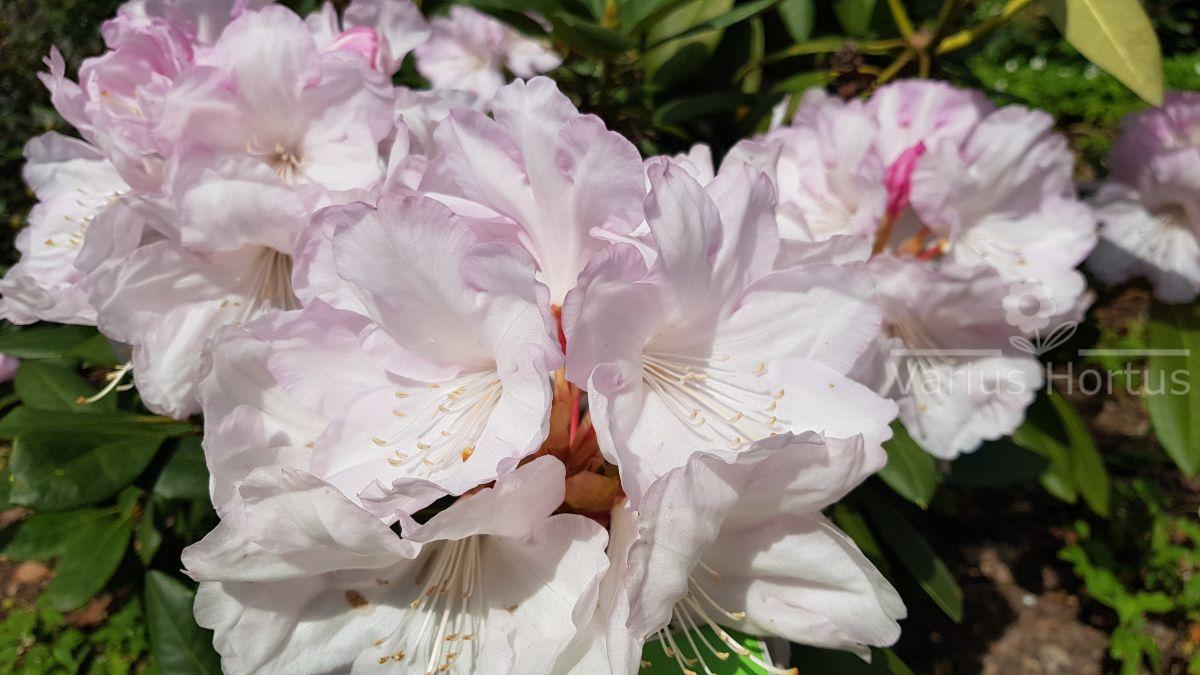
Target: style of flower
{"points": [[1149, 210]]}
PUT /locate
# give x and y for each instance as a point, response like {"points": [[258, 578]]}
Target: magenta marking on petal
{"points": [[899, 178]]}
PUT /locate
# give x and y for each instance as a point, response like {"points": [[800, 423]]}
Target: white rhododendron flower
{"points": [[952, 201], [1149, 210], [484, 390]]}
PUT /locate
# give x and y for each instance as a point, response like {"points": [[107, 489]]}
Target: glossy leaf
{"points": [[798, 17], [53, 386], [1117, 36], [44, 536], [910, 471], [185, 475], [45, 342], [178, 644], [91, 555], [911, 550], [672, 59], [102, 425], [55, 471], [1172, 378], [734, 15], [816, 661]]}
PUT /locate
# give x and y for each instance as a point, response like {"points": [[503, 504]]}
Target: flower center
{"points": [[712, 399], [448, 614], [270, 287], [446, 419], [286, 162]]}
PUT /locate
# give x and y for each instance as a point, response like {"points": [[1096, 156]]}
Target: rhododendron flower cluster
{"points": [[961, 211], [1149, 209], [486, 391]]}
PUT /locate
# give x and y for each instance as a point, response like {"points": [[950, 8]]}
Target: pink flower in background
{"points": [[1149, 210], [381, 31], [471, 51], [8, 367], [297, 578], [702, 358]]}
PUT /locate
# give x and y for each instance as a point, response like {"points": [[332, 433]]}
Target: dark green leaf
{"points": [[48, 342], [914, 553], [185, 475], [43, 536], [55, 471], [88, 560], [589, 38], [997, 464], [721, 21], [854, 16], [101, 425], [910, 471], [816, 661], [52, 386], [638, 16], [178, 644], [692, 107], [1090, 477], [1058, 479], [1172, 376], [852, 523], [673, 62], [148, 536], [659, 663], [798, 16], [96, 351]]}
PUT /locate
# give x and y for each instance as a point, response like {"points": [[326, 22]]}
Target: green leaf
{"points": [[56, 471], [852, 523], [998, 464], [914, 553], [1117, 36], [100, 425], [854, 16], [49, 342], [638, 16], [44, 536], [1172, 374], [185, 475], [88, 560], [735, 15], [1058, 479], [674, 60], [149, 539], [798, 17], [660, 664], [910, 471], [802, 82], [1088, 468], [52, 386], [692, 107], [96, 351], [178, 644], [816, 661], [588, 38]]}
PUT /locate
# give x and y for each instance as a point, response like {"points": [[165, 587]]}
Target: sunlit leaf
{"points": [[1117, 36]]}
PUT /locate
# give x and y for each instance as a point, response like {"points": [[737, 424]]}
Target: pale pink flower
{"points": [[438, 380], [737, 540], [550, 177], [471, 51], [1149, 210], [268, 131], [298, 579], [8, 367], [947, 358], [717, 348], [75, 185]]}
